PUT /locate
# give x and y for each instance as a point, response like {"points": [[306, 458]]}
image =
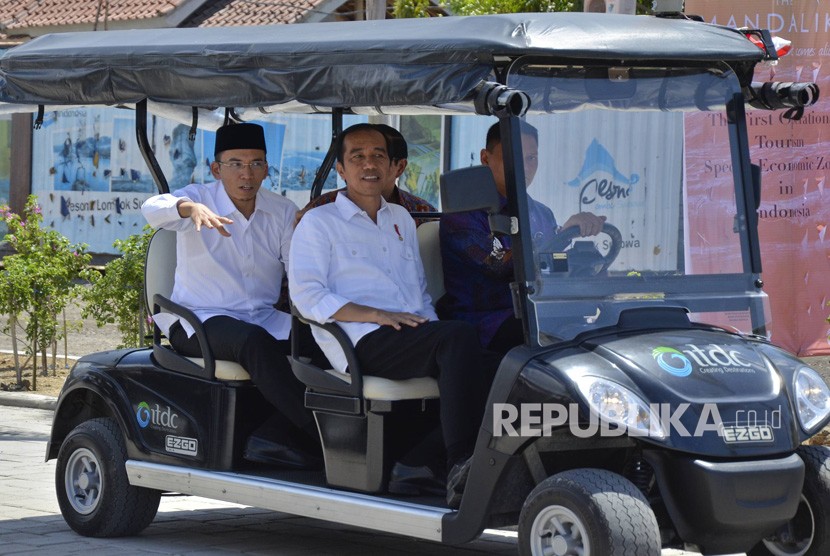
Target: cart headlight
{"points": [[812, 398], [617, 404]]}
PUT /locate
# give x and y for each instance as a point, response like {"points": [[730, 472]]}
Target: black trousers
{"points": [[448, 351], [262, 355], [509, 335]]}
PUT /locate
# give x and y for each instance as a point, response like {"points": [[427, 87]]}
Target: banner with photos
{"points": [[91, 179]]}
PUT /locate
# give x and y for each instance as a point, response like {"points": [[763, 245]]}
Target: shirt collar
{"points": [[263, 204], [348, 209], [224, 205]]}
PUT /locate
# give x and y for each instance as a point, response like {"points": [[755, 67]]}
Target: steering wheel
{"points": [[560, 241]]}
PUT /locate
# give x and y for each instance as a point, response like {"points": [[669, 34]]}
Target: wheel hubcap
{"points": [[557, 531], [794, 537], [82, 480]]}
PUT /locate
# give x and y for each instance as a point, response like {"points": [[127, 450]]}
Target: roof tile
{"points": [[251, 12], [20, 14], [22, 19]]}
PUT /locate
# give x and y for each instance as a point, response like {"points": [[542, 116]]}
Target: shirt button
{"points": [[384, 249], [354, 252]]}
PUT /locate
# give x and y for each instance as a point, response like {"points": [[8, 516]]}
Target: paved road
{"points": [[31, 524], [30, 521]]}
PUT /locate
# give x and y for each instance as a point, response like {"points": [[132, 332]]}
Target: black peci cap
{"points": [[239, 136]]}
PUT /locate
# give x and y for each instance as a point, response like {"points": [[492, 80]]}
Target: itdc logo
{"points": [[672, 361], [143, 415]]}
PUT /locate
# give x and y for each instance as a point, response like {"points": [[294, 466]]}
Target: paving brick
{"points": [[30, 521]]}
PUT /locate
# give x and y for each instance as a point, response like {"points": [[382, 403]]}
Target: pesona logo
{"points": [[672, 361], [163, 418], [143, 415], [594, 189]]}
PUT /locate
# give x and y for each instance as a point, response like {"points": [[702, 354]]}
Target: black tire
{"points": [[808, 533], [94, 495], [592, 510]]}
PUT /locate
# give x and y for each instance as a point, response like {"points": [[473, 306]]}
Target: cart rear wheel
{"points": [[589, 512], [93, 492], [808, 533]]}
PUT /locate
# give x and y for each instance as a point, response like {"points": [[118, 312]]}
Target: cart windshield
{"points": [[648, 149]]}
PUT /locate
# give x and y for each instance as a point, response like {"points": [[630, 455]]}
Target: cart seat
{"points": [[379, 388], [359, 415], [429, 246], [159, 276], [224, 370]]}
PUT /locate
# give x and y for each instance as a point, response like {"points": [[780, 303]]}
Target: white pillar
{"points": [[611, 6], [667, 6], [375, 9]]}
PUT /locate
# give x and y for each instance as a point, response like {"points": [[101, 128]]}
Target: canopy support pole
{"points": [[146, 149], [191, 135], [39, 118], [331, 155]]}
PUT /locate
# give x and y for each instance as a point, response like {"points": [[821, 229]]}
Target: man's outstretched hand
{"points": [[203, 216]]}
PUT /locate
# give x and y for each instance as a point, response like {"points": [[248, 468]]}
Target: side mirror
{"points": [[469, 189], [774, 95]]}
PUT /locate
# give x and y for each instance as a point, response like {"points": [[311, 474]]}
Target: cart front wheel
{"points": [[94, 494], [587, 512], [808, 532]]}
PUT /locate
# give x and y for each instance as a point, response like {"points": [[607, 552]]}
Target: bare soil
{"points": [[46, 385], [83, 336]]}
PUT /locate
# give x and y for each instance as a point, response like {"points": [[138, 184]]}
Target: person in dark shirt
{"points": [[478, 264]]}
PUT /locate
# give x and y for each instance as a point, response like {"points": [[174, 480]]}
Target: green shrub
{"points": [[116, 296], [39, 279]]}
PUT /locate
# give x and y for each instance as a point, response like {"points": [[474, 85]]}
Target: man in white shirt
{"points": [[232, 246], [356, 262]]}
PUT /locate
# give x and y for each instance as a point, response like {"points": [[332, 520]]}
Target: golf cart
{"points": [[646, 408]]}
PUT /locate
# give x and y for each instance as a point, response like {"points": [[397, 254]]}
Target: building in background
{"points": [[91, 179], [84, 164]]}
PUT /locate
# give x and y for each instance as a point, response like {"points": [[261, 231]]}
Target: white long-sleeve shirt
{"points": [[238, 276], [339, 256]]}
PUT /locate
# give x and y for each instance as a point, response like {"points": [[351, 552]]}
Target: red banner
{"points": [[795, 161]]}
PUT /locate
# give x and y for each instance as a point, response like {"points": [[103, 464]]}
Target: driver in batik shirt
{"points": [[478, 264]]}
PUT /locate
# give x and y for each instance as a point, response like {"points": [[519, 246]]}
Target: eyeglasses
{"points": [[236, 165]]}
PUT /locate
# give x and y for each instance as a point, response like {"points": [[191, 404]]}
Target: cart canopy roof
{"points": [[348, 64]]}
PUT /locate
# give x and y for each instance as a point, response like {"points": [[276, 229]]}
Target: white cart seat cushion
{"points": [[377, 388], [225, 370], [374, 387]]}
